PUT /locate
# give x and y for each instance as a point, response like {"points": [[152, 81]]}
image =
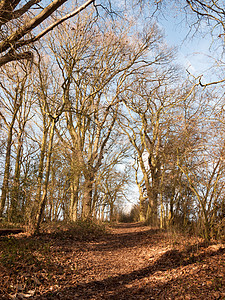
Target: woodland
{"points": [[96, 109]]}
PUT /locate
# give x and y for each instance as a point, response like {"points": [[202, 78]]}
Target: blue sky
{"points": [[195, 50], [192, 50]]}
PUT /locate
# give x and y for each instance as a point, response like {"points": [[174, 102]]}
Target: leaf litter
{"points": [[130, 261]]}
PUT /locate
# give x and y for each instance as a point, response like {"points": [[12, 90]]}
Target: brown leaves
{"points": [[130, 263]]}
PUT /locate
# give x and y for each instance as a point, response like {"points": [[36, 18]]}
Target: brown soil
{"points": [[130, 262]]}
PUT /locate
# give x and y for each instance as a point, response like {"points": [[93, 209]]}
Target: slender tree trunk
{"points": [[37, 199], [162, 212], [7, 166], [94, 202], [111, 217], [171, 209], [74, 188], [142, 203], [14, 213], [48, 165], [41, 165]]}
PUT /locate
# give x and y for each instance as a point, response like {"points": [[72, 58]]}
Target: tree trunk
{"points": [[148, 216], [74, 187], [14, 213], [142, 215], [48, 165], [162, 212], [7, 167], [87, 199], [37, 199], [111, 217]]}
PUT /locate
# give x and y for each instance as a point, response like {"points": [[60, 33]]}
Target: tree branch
{"points": [[15, 56]]}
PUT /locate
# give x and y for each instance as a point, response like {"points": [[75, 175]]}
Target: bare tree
{"points": [[95, 73], [51, 106], [201, 160], [12, 100], [18, 21]]}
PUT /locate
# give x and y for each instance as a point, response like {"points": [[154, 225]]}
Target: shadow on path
{"points": [[116, 241], [116, 287]]}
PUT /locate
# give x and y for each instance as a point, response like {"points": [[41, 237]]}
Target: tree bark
{"points": [[87, 200], [7, 163], [14, 207], [74, 188], [48, 165]]}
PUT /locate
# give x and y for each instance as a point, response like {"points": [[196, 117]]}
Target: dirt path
{"points": [[131, 262]]}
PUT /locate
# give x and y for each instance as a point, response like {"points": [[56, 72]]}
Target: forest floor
{"points": [[131, 261]]}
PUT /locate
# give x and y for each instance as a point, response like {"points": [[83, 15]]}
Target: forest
{"points": [[96, 104], [112, 149]]}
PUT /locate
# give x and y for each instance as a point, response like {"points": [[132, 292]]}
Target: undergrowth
{"points": [[81, 229]]}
